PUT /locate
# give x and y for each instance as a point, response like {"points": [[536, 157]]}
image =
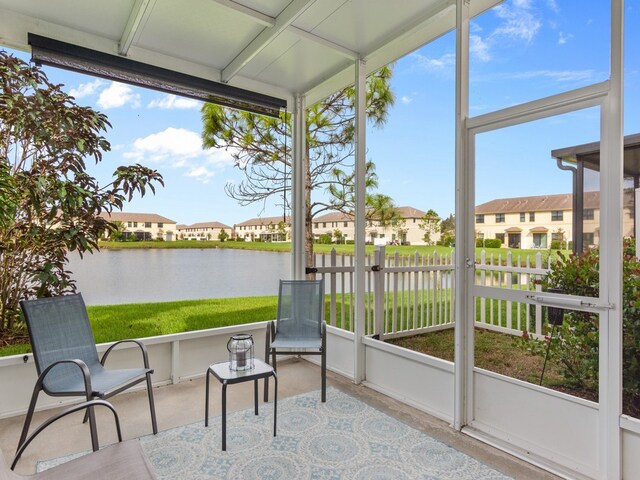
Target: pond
{"points": [[160, 275]]}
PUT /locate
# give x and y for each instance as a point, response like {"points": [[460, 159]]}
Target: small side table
{"points": [[226, 376]]}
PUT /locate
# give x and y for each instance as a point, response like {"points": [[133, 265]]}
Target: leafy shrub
{"points": [[556, 245], [324, 239], [574, 346]]}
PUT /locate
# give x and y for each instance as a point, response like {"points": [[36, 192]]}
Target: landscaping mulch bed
{"points": [[497, 353]]}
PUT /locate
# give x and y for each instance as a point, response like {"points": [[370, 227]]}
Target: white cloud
{"points": [[553, 5], [406, 100], [446, 60], [172, 101], [117, 95], [86, 89], [177, 147], [518, 21], [200, 173], [564, 38], [479, 48]]}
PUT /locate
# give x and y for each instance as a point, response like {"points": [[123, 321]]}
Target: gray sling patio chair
{"points": [[299, 328], [121, 461], [66, 357]]}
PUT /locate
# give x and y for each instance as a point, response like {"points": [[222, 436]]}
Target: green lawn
{"points": [[322, 248], [116, 322]]}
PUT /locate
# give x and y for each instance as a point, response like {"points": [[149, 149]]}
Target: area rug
{"points": [[342, 439]]}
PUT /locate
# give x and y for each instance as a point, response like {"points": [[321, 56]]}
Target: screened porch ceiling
{"points": [[279, 48]]}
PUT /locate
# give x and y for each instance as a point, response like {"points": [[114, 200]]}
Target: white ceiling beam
{"points": [[138, 17], [258, 17], [268, 35], [344, 51], [269, 22]]}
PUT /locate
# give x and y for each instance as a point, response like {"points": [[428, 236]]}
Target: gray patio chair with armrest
{"points": [[66, 357], [123, 460], [299, 328]]}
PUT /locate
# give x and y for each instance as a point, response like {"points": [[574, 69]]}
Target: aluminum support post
{"points": [[298, 194]]}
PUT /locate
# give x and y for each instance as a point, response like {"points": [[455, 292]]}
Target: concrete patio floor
{"points": [[184, 403]]}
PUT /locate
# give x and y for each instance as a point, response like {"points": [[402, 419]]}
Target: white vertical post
{"points": [[611, 326], [298, 254], [465, 246], [360, 223]]}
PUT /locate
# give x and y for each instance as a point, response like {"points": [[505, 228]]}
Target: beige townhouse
{"points": [[410, 229], [204, 231], [536, 221], [145, 226], [265, 229]]}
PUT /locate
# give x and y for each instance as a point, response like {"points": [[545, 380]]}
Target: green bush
{"points": [[574, 346], [324, 239], [556, 245]]}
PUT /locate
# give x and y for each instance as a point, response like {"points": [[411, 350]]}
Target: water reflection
{"points": [[157, 275]]}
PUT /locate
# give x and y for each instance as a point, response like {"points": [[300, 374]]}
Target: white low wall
{"points": [[174, 358], [419, 380], [554, 427], [559, 429]]}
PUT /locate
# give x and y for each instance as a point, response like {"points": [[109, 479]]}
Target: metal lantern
{"points": [[240, 352]]}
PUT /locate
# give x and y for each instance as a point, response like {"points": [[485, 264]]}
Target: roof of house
{"points": [[264, 221], [334, 217], [405, 212], [410, 212], [540, 203], [204, 225], [135, 217]]}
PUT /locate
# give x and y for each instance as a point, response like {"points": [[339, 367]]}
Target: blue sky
{"points": [[521, 50]]}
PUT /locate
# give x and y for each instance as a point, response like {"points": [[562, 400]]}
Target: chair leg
{"points": [[323, 372], [152, 407], [267, 342], [29, 417]]}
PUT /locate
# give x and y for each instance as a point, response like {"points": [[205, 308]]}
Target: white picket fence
{"points": [[407, 295]]}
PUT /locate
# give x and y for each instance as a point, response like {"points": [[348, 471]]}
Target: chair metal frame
{"points": [[89, 393], [272, 332]]}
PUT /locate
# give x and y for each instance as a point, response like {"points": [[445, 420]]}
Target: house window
{"points": [[522, 216], [324, 224], [160, 225], [480, 218], [480, 235], [587, 239], [499, 217], [500, 236], [532, 216], [556, 215], [130, 224], [588, 214], [135, 224], [315, 225], [539, 240], [147, 224], [345, 224]]}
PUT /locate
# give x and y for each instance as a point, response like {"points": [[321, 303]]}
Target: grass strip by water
{"points": [[390, 250], [138, 320]]}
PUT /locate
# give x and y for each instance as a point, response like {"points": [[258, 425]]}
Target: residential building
{"points": [[409, 231], [265, 229], [145, 226], [535, 222], [203, 231]]}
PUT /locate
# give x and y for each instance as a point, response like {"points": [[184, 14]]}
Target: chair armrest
{"points": [[76, 361], [143, 349], [64, 413]]}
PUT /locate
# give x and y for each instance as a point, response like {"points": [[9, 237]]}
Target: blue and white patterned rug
{"points": [[342, 439]]}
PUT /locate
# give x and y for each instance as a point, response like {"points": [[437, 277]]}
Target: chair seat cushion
{"points": [[296, 343], [103, 381]]}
